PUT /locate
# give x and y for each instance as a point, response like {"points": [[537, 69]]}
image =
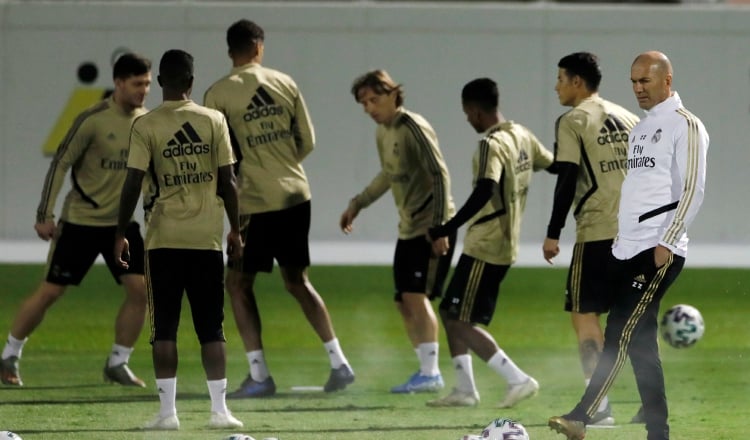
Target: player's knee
{"points": [[210, 333], [48, 293]]}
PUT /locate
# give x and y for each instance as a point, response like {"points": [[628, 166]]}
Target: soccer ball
{"points": [[239, 437], [504, 429], [682, 326], [7, 435]]}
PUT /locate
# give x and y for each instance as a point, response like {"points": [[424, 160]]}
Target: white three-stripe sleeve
{"points": [[691, 147]]}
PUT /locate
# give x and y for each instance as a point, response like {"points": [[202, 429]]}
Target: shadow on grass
{"points": [[94, 400]]}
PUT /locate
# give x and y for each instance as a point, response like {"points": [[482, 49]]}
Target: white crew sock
{"points": [[217, 389], [428, 358], [119, 355], [13, 347], [464, 373], [258, 368], [167, 393], [335, 354], [504, 366]]}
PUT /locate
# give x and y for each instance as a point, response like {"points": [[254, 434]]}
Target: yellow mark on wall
{"points": [[81, 99]]}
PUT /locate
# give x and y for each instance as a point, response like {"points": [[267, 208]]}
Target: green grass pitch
{"points": [[65, 398]]}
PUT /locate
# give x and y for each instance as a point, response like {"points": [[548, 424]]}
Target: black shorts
{"points": [[416, 270], [588, 289], [281, 235], [75, 248], [472, 293], [198, 273]]}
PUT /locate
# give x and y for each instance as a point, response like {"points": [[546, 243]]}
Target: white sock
{"points": [[258, 368], [428, 358], [13, 347], [464, 373], [167, 393], [119, 355], [504, 366], [217, 389], [605, 401], [335, 354]]}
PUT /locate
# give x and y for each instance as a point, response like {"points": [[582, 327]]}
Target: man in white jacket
{"points": [[660, 197]]}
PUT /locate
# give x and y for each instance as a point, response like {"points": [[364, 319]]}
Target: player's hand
{"points": [[122, 251], [661, 255], [550, 249], [346, 223], [46, 231], [440, 246], [235, 245]]}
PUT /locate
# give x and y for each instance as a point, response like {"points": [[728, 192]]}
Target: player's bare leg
{"points": [[520, 385], [590, 344], [33, 309], [29, 316], [132, 314], [464, 393], [419, 318], [421, 328], [258, 382], [128, 326], [298, 284], [245, 308]]}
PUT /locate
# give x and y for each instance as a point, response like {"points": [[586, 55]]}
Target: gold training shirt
{"points": [[183, 144], [508, 154], [414, 170], [95, 149], [272, 133], [594, 136]]}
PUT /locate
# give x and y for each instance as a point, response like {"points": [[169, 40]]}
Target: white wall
{"points": [[432, 49]]}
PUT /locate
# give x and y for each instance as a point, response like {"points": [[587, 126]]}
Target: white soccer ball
{"points": [[7, 435], [504, 429], [238, 437], [682, 326]]}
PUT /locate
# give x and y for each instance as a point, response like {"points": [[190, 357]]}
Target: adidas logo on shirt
{"points": [[185, 142], [262, 105], [523, 163], [612, 131]]}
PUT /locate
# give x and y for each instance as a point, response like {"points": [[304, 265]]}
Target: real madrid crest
{"points": [[656, 137]]}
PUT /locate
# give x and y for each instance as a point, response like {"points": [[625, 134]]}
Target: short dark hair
{"points": [[243, 35], [585, 65], [482, 92], [130, 64], [176, 69], [380, 82]]}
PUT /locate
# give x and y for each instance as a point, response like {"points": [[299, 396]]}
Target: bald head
{"points": [[655, 60], [651, 75]]}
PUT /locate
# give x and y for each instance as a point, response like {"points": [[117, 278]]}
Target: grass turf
{"points": [[65, 397]]}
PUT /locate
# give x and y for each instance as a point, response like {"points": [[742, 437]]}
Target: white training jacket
{"points": [[664, 185]]}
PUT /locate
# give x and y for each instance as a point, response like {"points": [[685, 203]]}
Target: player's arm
{"points": [[565, 164], [430, 157], [565, 190], [228, 192], [227, 185], [479, 197], [131, 191], [139, 160], [73, 146], [372, 192], [302, 128], [691, 145], [543, 159]]}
